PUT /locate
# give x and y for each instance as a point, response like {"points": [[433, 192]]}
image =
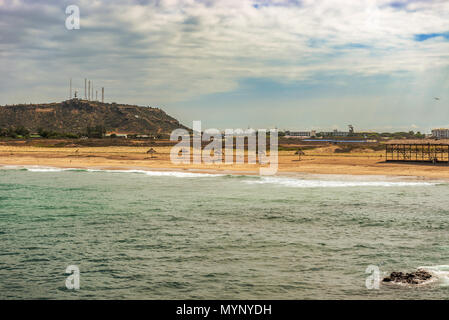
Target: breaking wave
{"points": [[146, 172], [440, 272], [312, 183], [178, 174]]}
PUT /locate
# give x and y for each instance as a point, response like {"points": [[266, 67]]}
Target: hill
{"points": [[75, 116]]}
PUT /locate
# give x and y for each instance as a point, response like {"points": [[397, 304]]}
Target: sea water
{"points": [[185, 235]]}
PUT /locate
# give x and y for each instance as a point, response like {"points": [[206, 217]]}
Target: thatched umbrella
{"points": [[299, 153], [151, 152]]}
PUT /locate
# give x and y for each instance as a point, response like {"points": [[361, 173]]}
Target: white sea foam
{"points": [[182, 174], [35, 168], [440, 272], [179, 174], [46, 169], [312, 183], [11, 167]]}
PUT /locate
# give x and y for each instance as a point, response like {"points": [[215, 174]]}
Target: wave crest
{"points": [[311, 183]]}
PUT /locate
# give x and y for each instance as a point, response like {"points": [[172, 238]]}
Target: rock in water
{"points": [[416, 277]]}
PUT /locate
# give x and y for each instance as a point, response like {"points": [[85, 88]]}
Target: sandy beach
{"points": [[317, 161]]}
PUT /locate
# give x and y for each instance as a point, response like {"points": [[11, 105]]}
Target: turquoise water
{"points": [[161, 235]]}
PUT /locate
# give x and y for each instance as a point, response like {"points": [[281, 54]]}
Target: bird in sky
{"points": [[436, 98]]}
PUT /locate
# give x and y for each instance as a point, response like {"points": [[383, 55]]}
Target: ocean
{"points": [[185, 235]]}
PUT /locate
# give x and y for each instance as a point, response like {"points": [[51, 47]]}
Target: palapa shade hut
{"points": [[151, 152], [299, 153]]}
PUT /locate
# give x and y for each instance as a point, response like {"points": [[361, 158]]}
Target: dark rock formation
{"points": [[416, 277]]}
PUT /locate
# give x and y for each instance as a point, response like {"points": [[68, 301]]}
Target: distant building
{"points": [[440, 133], [335, 133], [297, 133], [300, 134]]}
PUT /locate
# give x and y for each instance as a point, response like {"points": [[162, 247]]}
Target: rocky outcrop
{"points": [[417, 277]]}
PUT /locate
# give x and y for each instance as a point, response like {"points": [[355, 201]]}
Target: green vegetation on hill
{"points": [[75, 118]]}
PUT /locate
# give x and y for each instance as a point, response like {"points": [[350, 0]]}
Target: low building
{"points": [[297, 134], [335, 133], [300, 134], [440, 133]]}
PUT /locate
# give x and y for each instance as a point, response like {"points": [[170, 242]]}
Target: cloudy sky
{"points": [[293, 64]]}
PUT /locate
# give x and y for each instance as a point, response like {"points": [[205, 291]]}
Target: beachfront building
{"points": [[441, 133], [335, 133], [417, 151], [297, 134], [300, 134]]}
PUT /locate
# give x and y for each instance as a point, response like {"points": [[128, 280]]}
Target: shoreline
{"points": [[315, 162], [285, 174]]}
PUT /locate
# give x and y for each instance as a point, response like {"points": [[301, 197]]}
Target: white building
{"points": [[335, 133], [440, 133], [300, 134]]}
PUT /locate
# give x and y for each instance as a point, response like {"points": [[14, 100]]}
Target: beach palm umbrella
{"points": [[151, 152], [299, 153]]}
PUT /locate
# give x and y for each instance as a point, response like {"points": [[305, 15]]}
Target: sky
{"points": [[290, 64]]}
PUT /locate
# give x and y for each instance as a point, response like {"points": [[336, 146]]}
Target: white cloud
{"points": [[171, 50]]}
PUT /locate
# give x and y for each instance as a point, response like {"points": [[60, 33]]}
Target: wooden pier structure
{"points": [[422, 151]]}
